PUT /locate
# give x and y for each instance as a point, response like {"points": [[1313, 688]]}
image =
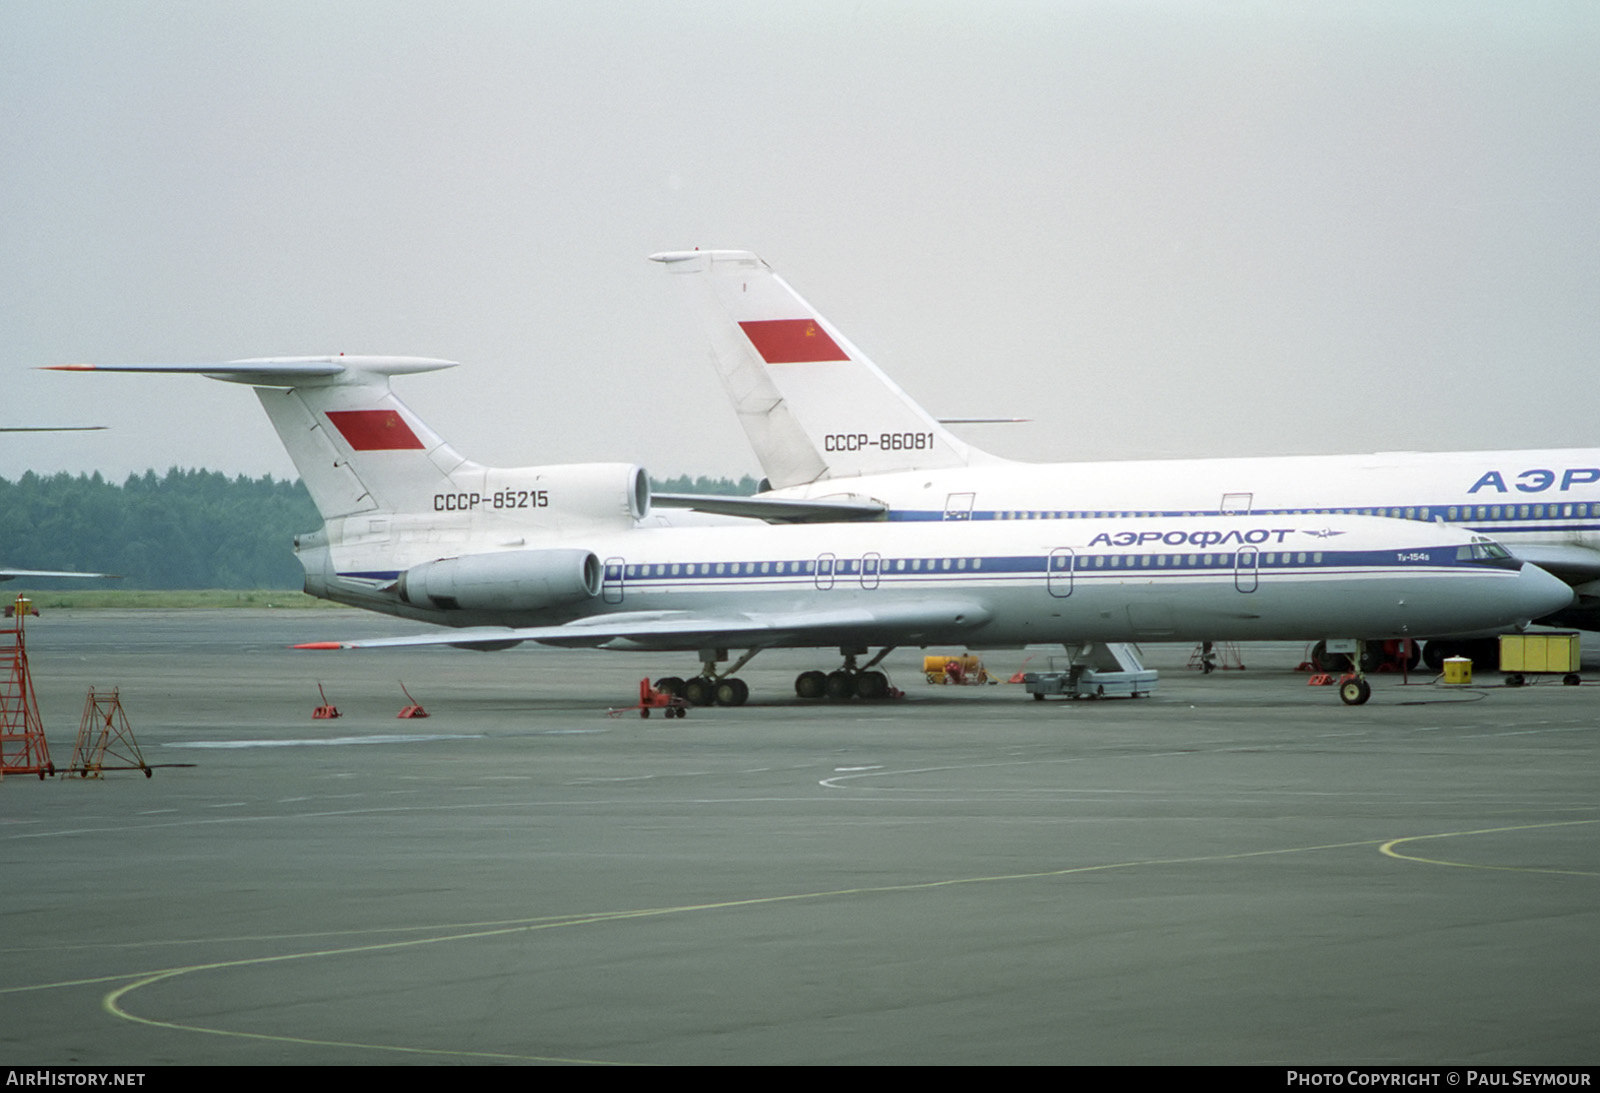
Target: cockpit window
{"points": [[1487, 551]]}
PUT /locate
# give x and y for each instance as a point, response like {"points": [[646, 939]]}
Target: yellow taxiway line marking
{"points": [[1389, 849]]}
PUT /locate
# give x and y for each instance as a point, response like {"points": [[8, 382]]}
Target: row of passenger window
{"points": [[1188, 561], [842, 565], [1517, 512], [929, 565], [1450, 514]]}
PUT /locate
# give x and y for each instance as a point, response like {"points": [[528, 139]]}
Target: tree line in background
{"points": [[184, 529]]}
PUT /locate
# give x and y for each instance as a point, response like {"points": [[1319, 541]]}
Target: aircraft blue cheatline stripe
{"points": [[1084, 565]]}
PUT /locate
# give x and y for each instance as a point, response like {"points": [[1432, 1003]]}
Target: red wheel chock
{"points": [[326, 711], [413, 710]]}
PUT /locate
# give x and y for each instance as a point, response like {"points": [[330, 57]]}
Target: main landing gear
{"points": [[714, 688], [847, 682], [1376, 656], [706, 690], [710, 687]]}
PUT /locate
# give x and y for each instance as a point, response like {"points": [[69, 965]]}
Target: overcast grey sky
{"points": [[1157, 228]]}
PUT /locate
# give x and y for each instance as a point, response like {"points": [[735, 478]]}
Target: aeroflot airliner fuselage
{"points": [[1547, 497], [979, 584]]}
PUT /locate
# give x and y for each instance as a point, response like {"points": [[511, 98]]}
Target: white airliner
{"points": [[838, 439], [557, 554]]}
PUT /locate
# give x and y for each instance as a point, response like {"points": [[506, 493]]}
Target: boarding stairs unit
{"points": [[23, 749], [1097, 670]]}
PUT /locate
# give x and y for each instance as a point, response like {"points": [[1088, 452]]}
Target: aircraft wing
{"points": [[1572, 563], [776, 510], [892, 624]]}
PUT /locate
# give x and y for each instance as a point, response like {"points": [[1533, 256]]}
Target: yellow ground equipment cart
{"points": [[1522, 655]]}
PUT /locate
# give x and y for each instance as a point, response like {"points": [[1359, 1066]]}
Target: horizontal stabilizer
{"points": [[51, 428], [984, 420], [277, 371]]}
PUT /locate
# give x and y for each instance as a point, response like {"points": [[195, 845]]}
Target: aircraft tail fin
{"points": [[358, 448], [813, 405], [362, 452]]}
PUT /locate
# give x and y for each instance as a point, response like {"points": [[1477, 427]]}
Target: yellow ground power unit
{"points": [[1552, 652]]}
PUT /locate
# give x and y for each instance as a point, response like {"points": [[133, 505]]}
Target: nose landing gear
{"points": [[1354, 690]]}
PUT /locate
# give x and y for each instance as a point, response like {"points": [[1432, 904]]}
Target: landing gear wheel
{"points": [[1355, 692], [1324, 661], [699, 691], [670, 685], [732, 691], [841, 684], [1434, 654], [872, 686], [810, 684]]}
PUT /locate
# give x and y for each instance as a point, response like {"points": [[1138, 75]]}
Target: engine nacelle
{"points": [[513, 580], [599, 491], [565, 498]]}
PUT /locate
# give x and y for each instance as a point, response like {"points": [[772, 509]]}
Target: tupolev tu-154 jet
{"points": [[557, 554], [837, 439]]}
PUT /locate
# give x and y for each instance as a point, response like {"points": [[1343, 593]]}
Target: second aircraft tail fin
{"points": [[813, 405]]}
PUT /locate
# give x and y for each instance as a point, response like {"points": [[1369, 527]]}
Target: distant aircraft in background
{"points": [[834, 434], [12, 574], [557, 554]]}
